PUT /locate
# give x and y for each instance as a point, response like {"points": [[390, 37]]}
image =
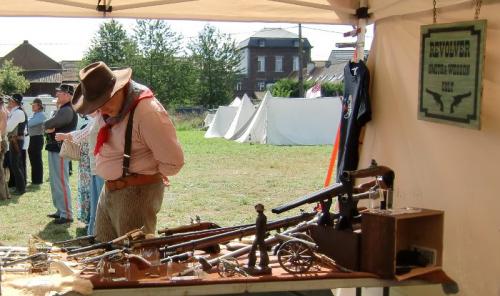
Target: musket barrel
{"points": [[211, 240], [179, 237], [106, 246], [89, 238]]}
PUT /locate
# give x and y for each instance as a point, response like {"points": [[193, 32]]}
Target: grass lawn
{"points": [[221, 182]]}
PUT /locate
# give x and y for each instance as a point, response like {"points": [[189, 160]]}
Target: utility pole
{"points": [[151, 56], [301, 53]]}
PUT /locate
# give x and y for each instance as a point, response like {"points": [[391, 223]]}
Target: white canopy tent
{"points": [[293, 121], [303, 11], [437, 166]]}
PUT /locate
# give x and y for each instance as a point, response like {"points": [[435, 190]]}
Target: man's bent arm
{"points": [[62, 118], [159, 135]]}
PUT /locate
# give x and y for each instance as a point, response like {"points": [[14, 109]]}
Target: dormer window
{"points": [[262, 43], [296, 43]]}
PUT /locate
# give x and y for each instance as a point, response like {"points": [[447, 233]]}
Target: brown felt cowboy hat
{"points": [[98, 84]]}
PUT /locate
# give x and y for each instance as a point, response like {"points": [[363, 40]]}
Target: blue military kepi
{"points": [[67, 88], [18, 98]]}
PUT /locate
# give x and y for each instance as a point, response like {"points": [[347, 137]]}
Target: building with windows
{"points": [[267, 56], [43, 73], [331, 70]]}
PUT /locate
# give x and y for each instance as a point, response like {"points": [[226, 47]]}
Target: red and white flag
{"points": [[314, 92]]}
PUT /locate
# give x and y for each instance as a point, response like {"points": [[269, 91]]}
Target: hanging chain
{"points": [[478, 8], [434, 12]]}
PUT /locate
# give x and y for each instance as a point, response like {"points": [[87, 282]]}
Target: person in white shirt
{"points": [[16, 124]]}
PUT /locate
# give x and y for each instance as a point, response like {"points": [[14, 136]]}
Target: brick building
{"points": [[267, 56]]}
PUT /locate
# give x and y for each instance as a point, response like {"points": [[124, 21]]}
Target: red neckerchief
{"points": [[104, 132]]}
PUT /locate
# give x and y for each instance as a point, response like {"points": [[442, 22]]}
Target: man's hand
{"points": [[62, 137], [50, 130]]}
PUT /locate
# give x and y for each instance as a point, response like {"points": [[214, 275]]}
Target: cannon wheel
{"points": [[295, 256], [227, 267], [299, 235]]}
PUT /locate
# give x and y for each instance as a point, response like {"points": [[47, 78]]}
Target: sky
{"points": [[69, 38]]}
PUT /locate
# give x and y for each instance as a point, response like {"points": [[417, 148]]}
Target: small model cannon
{"points": [[229, 266], [298, 253]]}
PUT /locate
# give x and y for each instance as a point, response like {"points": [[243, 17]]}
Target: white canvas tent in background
{"points": [[245, 111], [293, 121], [222, 119], [236, 102], [209, 119], [437, 166]]}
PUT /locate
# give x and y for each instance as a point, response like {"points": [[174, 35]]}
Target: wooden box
{"points": [[384, 235], [341, 246]]}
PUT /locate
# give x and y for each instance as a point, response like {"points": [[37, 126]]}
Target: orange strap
{"points": [[333, 158]]}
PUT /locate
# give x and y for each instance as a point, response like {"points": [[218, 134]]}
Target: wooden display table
{"points": [[212, 284]]}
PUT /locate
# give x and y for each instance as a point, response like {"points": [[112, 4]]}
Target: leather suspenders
{"points": [[128, 143]]}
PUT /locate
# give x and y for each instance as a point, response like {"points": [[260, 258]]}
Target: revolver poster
{"points": [[451, 73]]}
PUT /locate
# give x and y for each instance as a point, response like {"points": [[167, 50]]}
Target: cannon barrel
{"points": [[320, 195]]}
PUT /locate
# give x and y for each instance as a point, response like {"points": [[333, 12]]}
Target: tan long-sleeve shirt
{"points": [[155, 148]]}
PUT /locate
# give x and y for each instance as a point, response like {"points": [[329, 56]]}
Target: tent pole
{"points": [[360, 42]]}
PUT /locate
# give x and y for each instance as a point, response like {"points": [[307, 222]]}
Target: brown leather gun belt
{"points": [[133, 180]]}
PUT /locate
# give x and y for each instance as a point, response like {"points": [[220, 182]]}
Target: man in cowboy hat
{"points": [[136, 149], [64, 120], [16, 125]]}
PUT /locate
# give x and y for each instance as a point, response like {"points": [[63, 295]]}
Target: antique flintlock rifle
{"points": [[182, 237], [188, 228], [236, 233]]}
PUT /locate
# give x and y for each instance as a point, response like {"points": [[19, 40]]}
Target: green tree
{"points": [[111, 45], [289, 88], [283, 88], [159, 63], [330, 89], [217, 58], [11, 80]]}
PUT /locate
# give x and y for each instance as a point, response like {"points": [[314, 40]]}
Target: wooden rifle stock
{"points": [[372, 171], [188, 228]]}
